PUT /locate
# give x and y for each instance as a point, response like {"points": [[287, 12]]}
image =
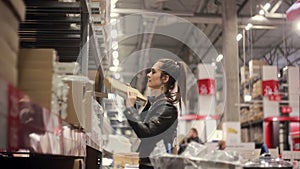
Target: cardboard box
{"points": [[37, 55], [7, 54], [43, 98], [7, 16], [75, 115], [36, 65], [9, 73], [255, 68], [35, 75], [244, 70], [35, 85], [121, 159], [10, 36], [19, 8]]}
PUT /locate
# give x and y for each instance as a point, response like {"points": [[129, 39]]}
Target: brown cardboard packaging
{"points": [[43, 98], [10, 36], [35, 85], [75, 115], [37, 55], [36, 65], [255, 67], [7, 54], [9, 73], [35, 75], [7, 16], [121, 159], [19, 8]]}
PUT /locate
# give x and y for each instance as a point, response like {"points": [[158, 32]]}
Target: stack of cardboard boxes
{"points": [[11, 14], [36, 69]]}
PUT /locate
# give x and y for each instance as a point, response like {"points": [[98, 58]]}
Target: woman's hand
{"points": [[131, 99]]}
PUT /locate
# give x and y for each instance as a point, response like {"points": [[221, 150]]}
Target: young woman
{"points": [[158, 120]]}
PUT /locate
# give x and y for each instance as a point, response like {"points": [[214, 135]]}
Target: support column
{"points": [[231, 61]]}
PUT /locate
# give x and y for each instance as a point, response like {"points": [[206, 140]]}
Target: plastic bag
{"points": [[195, 149]]}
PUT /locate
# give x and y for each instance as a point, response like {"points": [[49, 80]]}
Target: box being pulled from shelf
{"points": [[26, 125]]}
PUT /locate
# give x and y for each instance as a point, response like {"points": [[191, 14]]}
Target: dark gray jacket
{"points": [[158, 121]]}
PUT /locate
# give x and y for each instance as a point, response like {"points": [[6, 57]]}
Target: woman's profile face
{"points": [[154, 76]]}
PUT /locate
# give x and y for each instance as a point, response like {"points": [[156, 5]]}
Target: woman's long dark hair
{"points": [[176, 70]]}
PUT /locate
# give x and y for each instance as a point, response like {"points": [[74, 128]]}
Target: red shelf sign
{"points": [[275, 97], [207, 86]]}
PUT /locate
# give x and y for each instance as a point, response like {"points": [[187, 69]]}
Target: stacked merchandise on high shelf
{"points": [[251, 111], [270, 112]]}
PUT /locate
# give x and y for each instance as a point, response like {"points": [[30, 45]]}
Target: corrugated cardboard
{"points": [[10, 36], [43, 98], [9, 73], [35, 75], [7, 53], [8, 17], [255, 67], [36, 65], [35, 85], [37, 55], [74, 110], [19, 8], [121, 159]]}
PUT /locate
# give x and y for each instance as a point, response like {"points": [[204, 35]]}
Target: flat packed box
{"points": [[37, 55], [255, 67], [10, 36], [123, 159], [244, 74], [75, 115], [12, 12], [42, 97], [35, 85], [35, 75], [7, 54], [9, 73]]}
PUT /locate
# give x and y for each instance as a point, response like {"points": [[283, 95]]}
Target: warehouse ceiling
{"points": [[271, 37]]}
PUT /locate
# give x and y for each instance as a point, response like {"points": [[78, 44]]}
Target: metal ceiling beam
{"points": [[205, 18]]}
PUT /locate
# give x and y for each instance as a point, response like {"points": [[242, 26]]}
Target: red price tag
{"points": [[286, 109], [275, 97]]}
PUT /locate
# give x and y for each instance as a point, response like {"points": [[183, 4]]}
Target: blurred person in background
{"points": [[192, 136]]}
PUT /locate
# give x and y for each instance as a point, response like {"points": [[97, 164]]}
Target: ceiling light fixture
{"points": [[261, 12], [115, 54], [114, 33], [114, 45], [113, 4], [278, 75], [239, 37], [113, 68], [219, 58], [267, 6], [114, 15], [248, 26], [116, 62]]}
